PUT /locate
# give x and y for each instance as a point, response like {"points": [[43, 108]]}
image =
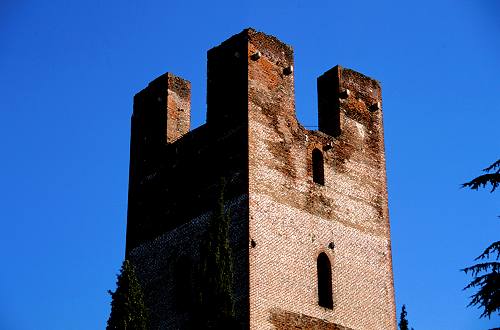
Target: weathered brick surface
{"points": [[293, 219], [283, 320], [156, 263], [284, 220]]}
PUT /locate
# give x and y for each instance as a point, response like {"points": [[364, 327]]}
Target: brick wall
{"points": [[156, 263], [283, 320], [292, 219]]}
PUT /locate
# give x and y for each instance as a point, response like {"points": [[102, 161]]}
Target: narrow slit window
{"points": [[318, 167], [325, 297]]}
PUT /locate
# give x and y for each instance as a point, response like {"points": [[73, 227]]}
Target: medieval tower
{"points": [[309, 226]]}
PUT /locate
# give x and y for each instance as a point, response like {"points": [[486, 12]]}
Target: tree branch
{"points": [[482, 267], [483, 181], [492, 249], [493, 167]]}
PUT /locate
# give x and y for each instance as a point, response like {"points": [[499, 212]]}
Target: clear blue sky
{"points": [[69, 70]]}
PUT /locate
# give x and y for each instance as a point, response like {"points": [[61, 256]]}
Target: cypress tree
{"points": [[128, 311], [216, 301], [403, 322]]}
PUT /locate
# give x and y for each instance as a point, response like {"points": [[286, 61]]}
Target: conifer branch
{"points": [[483, 180], [487, 274], [493, 167], [491, 250], [482, 267]]}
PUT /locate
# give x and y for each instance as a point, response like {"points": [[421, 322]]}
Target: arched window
{"points": [[325, 298], [317, 166]]}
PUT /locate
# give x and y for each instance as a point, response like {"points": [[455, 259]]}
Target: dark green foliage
{"points": [[403, 322], [216, 301], [128, 311], [486, 274], [487, 280]]}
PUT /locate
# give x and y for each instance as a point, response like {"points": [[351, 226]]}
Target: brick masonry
{"points": [[156, 262], [283, 320], [282, 220]]}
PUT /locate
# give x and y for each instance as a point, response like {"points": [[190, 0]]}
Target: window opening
{"points": [[318, 167], [325, 298]]}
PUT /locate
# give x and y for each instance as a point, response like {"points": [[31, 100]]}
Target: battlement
{"points": [[236, 67], [358, 95], [163, 109]]}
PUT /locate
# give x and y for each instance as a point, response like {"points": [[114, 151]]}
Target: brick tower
{"points": [[309, 225]]}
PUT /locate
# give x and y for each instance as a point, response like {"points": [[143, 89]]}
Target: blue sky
{"points": [[69, 70]]}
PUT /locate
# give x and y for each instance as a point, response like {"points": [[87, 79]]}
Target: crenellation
{"points": [[227, 83]]}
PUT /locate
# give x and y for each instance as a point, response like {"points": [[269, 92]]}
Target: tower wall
{"points": [[175, 173], [172, 199], [282, 220], [161, 116], [293, 219], [172, 303]]}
